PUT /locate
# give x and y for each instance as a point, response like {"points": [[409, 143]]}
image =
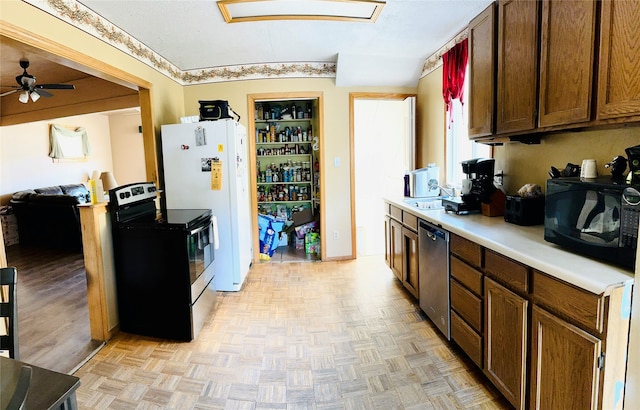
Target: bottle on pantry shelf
{"points": [[260, 113], [293, 111]]}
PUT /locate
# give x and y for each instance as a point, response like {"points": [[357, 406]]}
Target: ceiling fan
{"points": [[27, 86]]}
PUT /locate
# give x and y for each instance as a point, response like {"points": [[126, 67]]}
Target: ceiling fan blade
{"points": [[55, 86], [43, 93], [9, 92]]}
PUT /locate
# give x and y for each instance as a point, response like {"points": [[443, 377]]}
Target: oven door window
{"points": [[200, 250]]}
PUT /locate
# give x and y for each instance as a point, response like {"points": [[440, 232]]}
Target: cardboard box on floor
{"points": [[301, 217], [300, 221]]}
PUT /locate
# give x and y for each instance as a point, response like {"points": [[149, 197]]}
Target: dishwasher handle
{"points": [[433, 232]]}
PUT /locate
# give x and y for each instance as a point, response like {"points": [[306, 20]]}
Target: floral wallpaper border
{"points": [[435, 60], [88, 21], [83, 18]]}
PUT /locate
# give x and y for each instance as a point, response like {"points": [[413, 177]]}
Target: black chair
{"points": [[19, 397], [9, 311]]}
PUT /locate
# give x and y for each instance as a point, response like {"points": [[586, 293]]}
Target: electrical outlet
{"points": [[499, 177], [336, 235]]}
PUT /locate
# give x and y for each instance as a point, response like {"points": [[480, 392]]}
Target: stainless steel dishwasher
{"points": [[433, 279]]}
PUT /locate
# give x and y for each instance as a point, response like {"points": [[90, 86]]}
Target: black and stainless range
{"points": [[164, 276]]}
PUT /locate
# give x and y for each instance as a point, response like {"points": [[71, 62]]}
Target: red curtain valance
{"points": [[454, 63]]}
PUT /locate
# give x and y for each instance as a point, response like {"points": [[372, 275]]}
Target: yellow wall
{"points": [[127, 148], [430, 138], [337, 191], [524, 164]]}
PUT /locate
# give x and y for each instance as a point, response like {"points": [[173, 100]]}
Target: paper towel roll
{"points": [[216, 240]]}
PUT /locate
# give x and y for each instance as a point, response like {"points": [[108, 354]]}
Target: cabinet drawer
{"points": [[468, 305], [466, 338], [466, 250], [510, 272], [578, 306], [410, 221], [395, 212], [466, 275]]}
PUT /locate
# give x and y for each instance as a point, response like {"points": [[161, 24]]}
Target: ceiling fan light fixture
{"points": [[234, 11], [34, 96], [24, 97]]}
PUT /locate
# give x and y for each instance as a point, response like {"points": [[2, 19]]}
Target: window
{"points": [[458, 147]]}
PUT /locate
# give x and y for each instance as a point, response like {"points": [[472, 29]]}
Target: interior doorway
{"points": [[93, 294], [383, 140]]}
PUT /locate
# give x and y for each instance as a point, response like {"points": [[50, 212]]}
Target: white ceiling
{"points": [[390, 52]]}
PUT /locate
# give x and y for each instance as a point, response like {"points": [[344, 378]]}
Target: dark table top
{"points": [[48, 389]]}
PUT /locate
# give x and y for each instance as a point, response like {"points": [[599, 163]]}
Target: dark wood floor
{"points": [[53, 316]]}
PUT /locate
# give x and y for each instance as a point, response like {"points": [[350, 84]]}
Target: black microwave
{"points": [[595, 217]]}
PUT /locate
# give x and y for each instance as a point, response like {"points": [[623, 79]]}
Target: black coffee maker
{"points": [[633, 158], [477, 188], [480, 171]]}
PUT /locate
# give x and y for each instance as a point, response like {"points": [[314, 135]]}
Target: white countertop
{"points": [[526, 244]]}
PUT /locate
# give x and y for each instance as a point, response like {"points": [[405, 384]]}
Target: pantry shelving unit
{"points": [[285, 145]]}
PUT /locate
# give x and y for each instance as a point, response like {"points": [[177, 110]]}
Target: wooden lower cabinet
{"points": [[542, 342], [410, 262], [467, 338], [506, 324], [387, 241], [401, 248], [575, 384], [396, 247], [467, 308]]}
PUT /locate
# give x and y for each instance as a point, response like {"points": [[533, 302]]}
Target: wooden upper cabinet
{"points": [[619, 65], [568, 31], [482, 73], [517, 66]]}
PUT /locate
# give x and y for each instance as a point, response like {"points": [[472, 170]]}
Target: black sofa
{"points": [[49, 217]]}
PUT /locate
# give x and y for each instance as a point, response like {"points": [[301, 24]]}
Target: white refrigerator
{"points": [[205, 167]]}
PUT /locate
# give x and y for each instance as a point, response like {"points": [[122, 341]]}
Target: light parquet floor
{"points": [[331, 335]]}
